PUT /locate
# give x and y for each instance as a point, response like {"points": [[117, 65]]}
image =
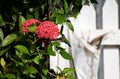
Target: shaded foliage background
{"points": [[20, 58]]}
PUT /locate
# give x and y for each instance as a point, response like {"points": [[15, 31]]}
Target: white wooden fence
{"points": [[100, 18]]}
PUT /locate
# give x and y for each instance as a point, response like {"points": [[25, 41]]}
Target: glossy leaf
{"points": [[9, 39], [36, 59], [68, 70], [22, 48], [65, 54], [2, 62], [65, 40], [50, 51], [60, 19], [32, 28], [70, 26], [55, 43], [69, 76], [21, 21], [30, 69]]}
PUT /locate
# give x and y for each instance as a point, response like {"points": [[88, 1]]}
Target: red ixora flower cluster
{"points": [[44, 30], [28, 23], [47, 30]]}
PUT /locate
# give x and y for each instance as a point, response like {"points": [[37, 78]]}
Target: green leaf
{"points": [[30, 70], [56, 13], [70, 26], [69, 76], [66, 8], [76, 10], [50, 51], [55, 43], [45, 71], [9, 39], [68, 70], [22, 48], [36, 14], [10, 76], [32, 48], [21, 21], [1, 34], [29, 16], [14, 17], [59, 69], [32, 28], [1, 21], [2, 62], [4, 50], [61, 30], [65, 54], [36, 59], [60, 19], [64, 39]]}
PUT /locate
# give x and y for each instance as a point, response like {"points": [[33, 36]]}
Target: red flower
{"points": [[47, 30], [28, 23]]}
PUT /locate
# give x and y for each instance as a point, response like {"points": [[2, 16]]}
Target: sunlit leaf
{"points": [[2, 62], [60, 19], [68, 70], [32, 28], [69, 76], [9, 39], [21, 21], [55, 43], [36, 59], [50, 51], [59, 77], [30, 69], [22, 48]]}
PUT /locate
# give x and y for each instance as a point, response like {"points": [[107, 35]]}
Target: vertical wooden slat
{"points": [[119, 12], [111, 62], [110, 15]]}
